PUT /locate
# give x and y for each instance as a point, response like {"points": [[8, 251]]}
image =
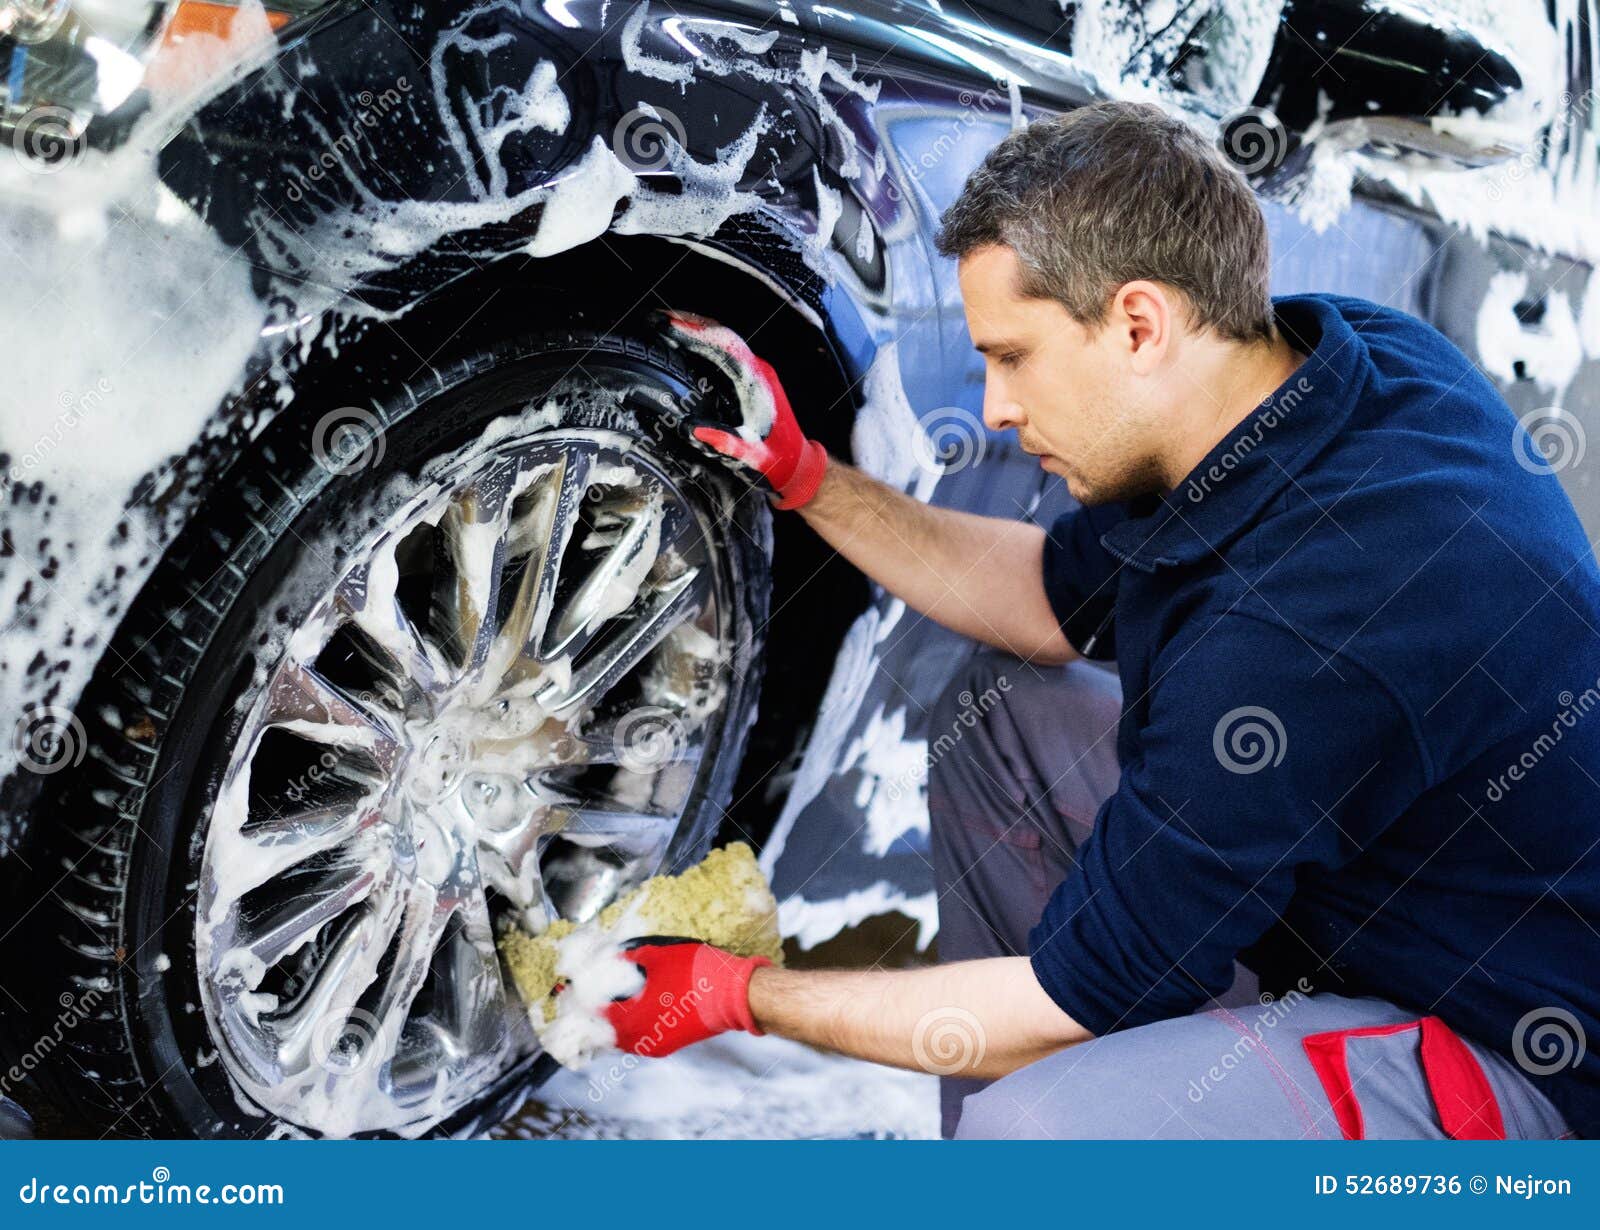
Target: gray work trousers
{"points": [[1021, 759]]}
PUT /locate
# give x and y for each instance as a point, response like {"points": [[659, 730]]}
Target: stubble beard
{"points": [[1117, 483]]}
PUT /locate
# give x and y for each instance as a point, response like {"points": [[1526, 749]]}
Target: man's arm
{"points": [[969, 1018], [980, 576]]}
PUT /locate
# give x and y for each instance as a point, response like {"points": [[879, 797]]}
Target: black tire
{"points": [[116, 936]]}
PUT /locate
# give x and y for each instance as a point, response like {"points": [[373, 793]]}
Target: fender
{"points": [[562, 121]]}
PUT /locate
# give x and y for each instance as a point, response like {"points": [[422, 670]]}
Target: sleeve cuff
{"points": [[1094, 1015]]}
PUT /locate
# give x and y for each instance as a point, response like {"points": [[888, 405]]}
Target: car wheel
{"points": [[483, 656]]}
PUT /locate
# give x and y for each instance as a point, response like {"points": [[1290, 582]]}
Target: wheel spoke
{"points": [[613, 584], [633, 834], [368, 597], [422, 927], [596, 855], [510, 863], [291, 838], [350, 967], [570, 488], [542, 521], [299, 919], [606, 742], [665, 608], [468, 993], [302, 701], [472, 535]]}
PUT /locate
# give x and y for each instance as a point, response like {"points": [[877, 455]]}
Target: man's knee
{"points": [[1072, 1095], [1041, 1102], [992, 1115], [1136, 1084]]}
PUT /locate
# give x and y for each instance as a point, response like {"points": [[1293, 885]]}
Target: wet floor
{"points": [[733, 1087]]}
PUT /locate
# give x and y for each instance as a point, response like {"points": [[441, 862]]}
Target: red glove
{"points": [[691, 992], [792, 465]]}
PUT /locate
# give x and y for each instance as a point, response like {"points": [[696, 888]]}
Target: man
{"points": [[1356, 640]]}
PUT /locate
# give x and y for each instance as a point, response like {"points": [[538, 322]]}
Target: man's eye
{"points": [[1010, 359]]}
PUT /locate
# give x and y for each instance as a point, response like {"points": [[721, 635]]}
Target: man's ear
{"points": [[1143, 313]]}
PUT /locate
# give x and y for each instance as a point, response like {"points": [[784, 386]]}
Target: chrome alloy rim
{"points": [[499, 714]]}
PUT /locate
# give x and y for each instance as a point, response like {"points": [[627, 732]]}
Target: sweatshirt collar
{"points": [[1228, 490]]}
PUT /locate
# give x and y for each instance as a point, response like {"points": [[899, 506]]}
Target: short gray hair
{"points": [[1114, 192]]}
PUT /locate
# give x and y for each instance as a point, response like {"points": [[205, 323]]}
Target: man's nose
{"points": [[999, 411]]}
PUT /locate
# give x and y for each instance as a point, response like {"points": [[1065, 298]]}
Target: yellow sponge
{"points": [[724, 900]]}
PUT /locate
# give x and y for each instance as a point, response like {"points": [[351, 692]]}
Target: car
{"points": [[363, 590]]}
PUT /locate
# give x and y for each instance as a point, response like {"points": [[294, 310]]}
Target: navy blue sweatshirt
{"points": [[1360, 743]]}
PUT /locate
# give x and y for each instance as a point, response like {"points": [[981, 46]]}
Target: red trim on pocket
{"points": [[1328, 1060], [1461, 1094]]}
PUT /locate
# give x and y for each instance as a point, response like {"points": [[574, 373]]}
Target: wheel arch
{"points": [[753, 278]]}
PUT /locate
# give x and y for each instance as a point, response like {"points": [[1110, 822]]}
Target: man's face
{"points": [[1075, 398]]}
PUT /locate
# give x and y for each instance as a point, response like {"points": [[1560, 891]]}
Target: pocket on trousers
{"points": [[1429, 1055]]}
